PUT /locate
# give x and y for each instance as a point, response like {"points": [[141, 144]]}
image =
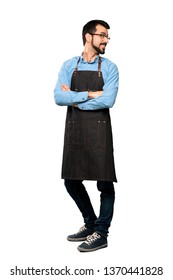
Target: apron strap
{"points": [[99, 67], [76, 68]]}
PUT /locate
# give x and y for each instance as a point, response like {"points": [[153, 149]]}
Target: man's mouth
{"points": [[103, 45]]}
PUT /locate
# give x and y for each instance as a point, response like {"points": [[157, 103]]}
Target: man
{"points": [[88, 86]]}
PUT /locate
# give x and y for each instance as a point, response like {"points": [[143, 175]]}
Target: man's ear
{"points": [[88, 37]]}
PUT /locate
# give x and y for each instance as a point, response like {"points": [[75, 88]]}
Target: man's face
{"points": [[100, 39]]}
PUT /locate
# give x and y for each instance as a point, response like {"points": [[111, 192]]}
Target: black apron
{"points": [[88, 144]]}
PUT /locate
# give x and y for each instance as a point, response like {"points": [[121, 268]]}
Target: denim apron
{"points": [[88, 144]]}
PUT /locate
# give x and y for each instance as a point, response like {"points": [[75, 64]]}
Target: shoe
{"points": [[81, 235], [93, 242]]}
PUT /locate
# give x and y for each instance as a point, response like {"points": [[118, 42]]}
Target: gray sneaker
{"points": [[81, 235], [92, 243]]}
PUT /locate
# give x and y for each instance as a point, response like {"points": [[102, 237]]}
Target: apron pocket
{"points": [[96, 133], [76, 133], [102, 132]]}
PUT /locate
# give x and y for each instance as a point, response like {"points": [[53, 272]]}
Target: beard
{"points": [[98, 50]]}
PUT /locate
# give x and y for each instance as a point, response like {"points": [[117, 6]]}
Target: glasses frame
{"points": [[102, 36]]}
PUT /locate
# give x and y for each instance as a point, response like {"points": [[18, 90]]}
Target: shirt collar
{"points": [[93, 61]]}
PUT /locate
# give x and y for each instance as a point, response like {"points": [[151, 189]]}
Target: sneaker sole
{"points": [[93, 249], [76, 239]]}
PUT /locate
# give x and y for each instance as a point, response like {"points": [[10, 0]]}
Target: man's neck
{"points": [[88, 56]]}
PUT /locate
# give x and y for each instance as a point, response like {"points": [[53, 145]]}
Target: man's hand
{"points": [[94, 94], [65, 87]]}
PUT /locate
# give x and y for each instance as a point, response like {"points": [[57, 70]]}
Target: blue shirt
{"points": [[69, 98]]}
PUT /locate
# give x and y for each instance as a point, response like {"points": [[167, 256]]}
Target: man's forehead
{"points": [[101, 28]]}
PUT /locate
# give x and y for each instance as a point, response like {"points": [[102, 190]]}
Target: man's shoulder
{"points": [[107, 63], [70, 64], [71, 61]]}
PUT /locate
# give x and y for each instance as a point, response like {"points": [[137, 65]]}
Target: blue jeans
{"points": [[77, 191]]}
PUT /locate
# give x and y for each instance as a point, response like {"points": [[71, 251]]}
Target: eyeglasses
{"points": [[102, 36]]}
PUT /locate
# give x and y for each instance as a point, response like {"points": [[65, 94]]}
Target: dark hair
{"points": [[90, 27]]}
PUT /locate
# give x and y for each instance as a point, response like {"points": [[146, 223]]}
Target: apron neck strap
{"points": [[99, 67], [76, 68]]}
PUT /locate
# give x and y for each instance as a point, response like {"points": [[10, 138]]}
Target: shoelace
{"points": [[92, 238], [81, 229]]}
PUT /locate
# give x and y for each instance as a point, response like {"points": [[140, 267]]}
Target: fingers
{"points": [[65, 87], [94, 94], [99, 93]]}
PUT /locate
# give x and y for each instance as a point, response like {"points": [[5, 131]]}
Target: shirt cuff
{"points": [[80, 97]]}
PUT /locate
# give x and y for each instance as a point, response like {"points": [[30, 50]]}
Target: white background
{"points": [[36, 212]]}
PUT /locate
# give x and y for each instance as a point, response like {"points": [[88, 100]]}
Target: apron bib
{"points": [[88, 144]]}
